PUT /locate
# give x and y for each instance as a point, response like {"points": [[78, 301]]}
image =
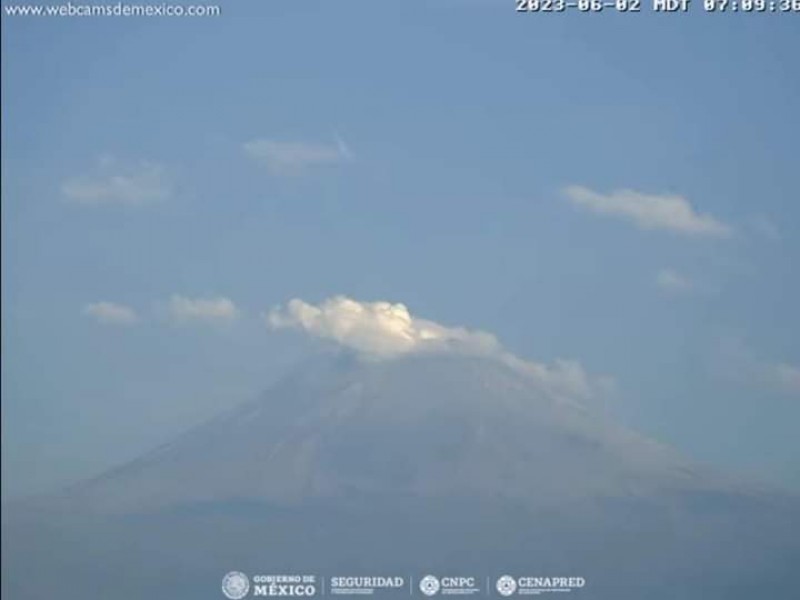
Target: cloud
{"points": [[109, 313], [293, 158], [211, 310], [382, 330], [374, 328], [113, 182], [673, 282], [649, 211], [742, 363], [784, 377]]}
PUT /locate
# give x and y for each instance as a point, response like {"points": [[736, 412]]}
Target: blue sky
{"points": [[419, 153]]}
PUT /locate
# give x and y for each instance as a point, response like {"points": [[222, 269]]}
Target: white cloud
{"points": [[382, 330], [112, 182], [649, 211], [673, 282], [374, 328], [742, 363], [218, 310], [292, 158], [110, 313]]}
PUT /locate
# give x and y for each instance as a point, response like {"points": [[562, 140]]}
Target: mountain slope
{"points": [[419, 427], [431, 463]]}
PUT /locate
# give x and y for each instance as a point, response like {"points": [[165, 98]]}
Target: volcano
{"points": [[431, 463]]}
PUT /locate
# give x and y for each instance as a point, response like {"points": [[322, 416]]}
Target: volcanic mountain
{"points": [[350, 430], [442, 463]]}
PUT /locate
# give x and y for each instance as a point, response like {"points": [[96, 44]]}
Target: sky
{"points": [[614, 192]]}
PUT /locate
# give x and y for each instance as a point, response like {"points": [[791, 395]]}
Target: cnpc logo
{"points": [[430, 585]]}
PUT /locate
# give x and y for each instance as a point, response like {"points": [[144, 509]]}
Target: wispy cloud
{"points": [[742, 363], [383, 330], [110, 313], [211, 310], [784, 376], [673, 282], [649, 211], [114, 182], [295, 157]]}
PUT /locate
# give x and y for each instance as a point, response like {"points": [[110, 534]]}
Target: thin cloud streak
{"points": [[210, 310], [115, 183], [649, 211], [287, 158], [109, 313]]}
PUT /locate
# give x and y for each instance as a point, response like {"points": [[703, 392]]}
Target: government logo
{"points": [[506, 585], [285, 585], [235, 585], [429, 585]]}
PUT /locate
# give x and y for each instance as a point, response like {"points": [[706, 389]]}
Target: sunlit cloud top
{"points": [[385, 330]]}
